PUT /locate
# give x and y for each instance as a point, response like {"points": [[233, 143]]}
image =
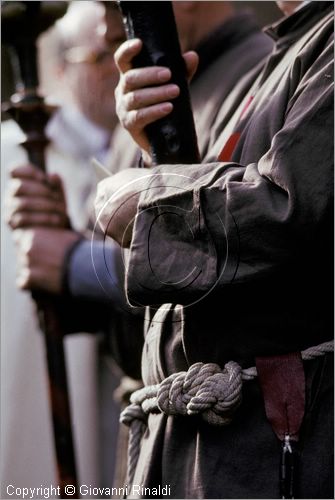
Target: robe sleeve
{"points": [[201, 227]]}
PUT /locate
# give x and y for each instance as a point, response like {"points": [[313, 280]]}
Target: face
{"points": [[90, 70], [196, 19], [184, 21], [288, 7]]}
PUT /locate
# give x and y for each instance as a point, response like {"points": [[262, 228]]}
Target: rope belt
{"points": [[204, 389]]}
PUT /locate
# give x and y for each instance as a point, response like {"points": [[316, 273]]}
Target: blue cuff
{"points": [[96, 272]]}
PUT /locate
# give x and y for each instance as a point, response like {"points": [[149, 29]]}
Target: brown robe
{"points": [[244, 270], [231, 50]]}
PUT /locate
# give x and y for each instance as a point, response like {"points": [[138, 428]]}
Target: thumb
{"points": [[191, 59]]}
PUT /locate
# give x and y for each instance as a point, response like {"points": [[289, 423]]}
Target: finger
{"points": [[144, 77], [138, 119], [27, 187], [31, 219], [148, 97], [191, 60], [29, 204], [28, 172], [125, 54]]}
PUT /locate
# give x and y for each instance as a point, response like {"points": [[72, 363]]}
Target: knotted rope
{"points": [[204, 389]]}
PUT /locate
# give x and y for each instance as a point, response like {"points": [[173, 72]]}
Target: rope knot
{"points": [[131, 413], [204, 389]]}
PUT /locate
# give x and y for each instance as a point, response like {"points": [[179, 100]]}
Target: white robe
{"points": [[27, 450]]}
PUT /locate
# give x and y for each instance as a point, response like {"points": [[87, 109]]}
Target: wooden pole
{"points": [[22, 22]]}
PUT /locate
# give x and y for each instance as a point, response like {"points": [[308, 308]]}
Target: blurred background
{"points": [[265, 12]]}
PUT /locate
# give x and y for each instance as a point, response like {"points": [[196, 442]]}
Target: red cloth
{"points": [[282, 380]]}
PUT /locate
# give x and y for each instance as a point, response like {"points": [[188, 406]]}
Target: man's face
{"points": [[183, 21], [288, 7], [91, 73]]}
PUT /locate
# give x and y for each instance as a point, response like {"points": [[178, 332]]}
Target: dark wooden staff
{"points": [[21, 24]]}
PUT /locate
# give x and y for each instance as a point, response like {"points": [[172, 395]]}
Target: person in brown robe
{"points": [[240, 262], [223, 39]]}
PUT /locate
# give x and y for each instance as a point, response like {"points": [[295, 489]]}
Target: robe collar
{"points": [[288, 29]]}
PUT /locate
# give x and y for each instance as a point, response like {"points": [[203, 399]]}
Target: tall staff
{"points": [[22, 22]]}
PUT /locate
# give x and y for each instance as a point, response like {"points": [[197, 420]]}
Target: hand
{"points": [[116, 203], [35, 198], [143, 94], [40, 257]]}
